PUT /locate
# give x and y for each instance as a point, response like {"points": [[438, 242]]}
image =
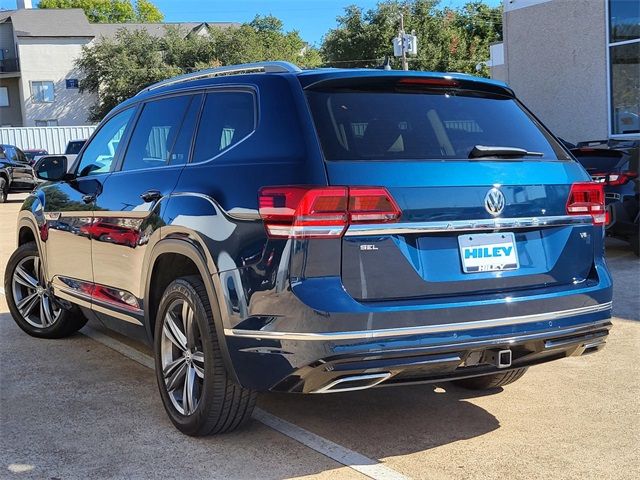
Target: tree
{"points": [[448, 39], [111, 11], [116, 69]]}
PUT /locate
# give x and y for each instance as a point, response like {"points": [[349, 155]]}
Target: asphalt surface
{"points": [[75, 408]]}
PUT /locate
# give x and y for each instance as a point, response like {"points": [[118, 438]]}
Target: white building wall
{"points": [[52, 59], [555, 60]]}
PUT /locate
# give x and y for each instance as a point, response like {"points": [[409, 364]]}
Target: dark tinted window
{"points": [[413, 126], [182, 145], [227, 118], [20, 156], [598, 162], [155, 132], [74, 147]]}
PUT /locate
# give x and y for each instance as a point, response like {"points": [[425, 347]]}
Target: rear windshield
{"points": [[598, 162], [357, 125], [73, 148]]}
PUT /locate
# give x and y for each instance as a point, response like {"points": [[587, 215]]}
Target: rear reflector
{"points": [[323, 212], [587, 198]]}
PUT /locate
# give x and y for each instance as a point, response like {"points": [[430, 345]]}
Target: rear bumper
{"points": [[340, 361]]}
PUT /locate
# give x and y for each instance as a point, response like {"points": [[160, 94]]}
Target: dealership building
{"points": [[575, 64]]}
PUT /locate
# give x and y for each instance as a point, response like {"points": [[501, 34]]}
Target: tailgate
{"points": [[482, 186]]}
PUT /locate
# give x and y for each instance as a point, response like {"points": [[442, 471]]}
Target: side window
{"points": [[10, 153], [227, 118], [182, 145], [99, 154], [155, 133], [21, 156]]}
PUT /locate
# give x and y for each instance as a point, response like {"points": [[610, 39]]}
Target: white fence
{"points": [[52, 139]]}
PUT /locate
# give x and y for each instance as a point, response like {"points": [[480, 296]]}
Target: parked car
{"points": [[33, 154], [315, 232], [615, 164], [16, 174], [73, 148]]}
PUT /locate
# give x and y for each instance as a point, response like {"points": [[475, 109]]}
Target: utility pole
{"points": [[405, 65]]}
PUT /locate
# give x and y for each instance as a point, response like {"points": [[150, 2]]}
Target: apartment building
{"points": [[38, 77], [575, 63]]}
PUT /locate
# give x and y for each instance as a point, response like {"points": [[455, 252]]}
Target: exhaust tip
{"points": [[354, 382]]}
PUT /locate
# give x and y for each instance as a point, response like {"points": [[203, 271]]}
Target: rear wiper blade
{"points": [[483, 151]]}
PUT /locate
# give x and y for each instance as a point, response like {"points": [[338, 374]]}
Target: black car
{"points": [[615, 164], [74, 147], [16, 174], [33, 153]]}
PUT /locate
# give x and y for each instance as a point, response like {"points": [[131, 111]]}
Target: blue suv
{"points": [[272, 229]]}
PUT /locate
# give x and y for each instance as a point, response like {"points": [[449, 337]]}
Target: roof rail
{"points": [[266, 67]]}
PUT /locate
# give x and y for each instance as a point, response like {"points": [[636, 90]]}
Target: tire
{"points": [[488, 382], [31, 303], [216, 404], [4, 190]]}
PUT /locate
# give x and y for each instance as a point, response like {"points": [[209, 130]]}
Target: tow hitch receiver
{"points": [[499, 358]]}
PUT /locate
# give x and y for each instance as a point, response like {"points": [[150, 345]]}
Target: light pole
{"points": [[405, 65]]}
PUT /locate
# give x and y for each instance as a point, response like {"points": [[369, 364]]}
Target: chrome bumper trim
{"points": [[418, 330], [467, 225]]}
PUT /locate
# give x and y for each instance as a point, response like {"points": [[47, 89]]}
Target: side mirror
{"points": [[51, 168]]}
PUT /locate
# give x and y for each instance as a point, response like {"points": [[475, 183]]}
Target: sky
{"points": [[312, 18]]}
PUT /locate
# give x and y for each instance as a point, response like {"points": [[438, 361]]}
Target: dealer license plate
{"points": [[488, 252]]}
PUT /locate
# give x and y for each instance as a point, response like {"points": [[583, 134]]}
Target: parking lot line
{"points": [[345, 456], [354, 460]]}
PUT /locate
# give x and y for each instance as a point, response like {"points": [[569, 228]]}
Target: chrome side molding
{"points": [[467, 225], [417, 330]]}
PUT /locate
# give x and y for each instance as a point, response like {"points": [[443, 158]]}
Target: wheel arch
{"points": [[185, 257]]}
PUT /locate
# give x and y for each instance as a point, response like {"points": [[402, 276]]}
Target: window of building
{"points": [[4, 97], [47, 123], [624, 66], [42, 92], [71, 83]]}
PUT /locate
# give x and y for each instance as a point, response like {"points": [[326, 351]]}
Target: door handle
{"points": [[151, 196]]}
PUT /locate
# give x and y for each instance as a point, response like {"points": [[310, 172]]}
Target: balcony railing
{"points": [[9, 65]]}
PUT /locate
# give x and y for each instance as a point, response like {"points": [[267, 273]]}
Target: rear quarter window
{"points": [[228, 117], [357, 125]]}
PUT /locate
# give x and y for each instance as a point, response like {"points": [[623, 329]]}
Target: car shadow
{"points": [[625, 270], [423, 416]]}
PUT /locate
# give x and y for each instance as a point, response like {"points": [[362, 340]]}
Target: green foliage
{"points": [[117, 69], [111, 11], [448, 39]]}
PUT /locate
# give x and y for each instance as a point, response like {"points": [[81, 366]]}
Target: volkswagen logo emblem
{"points": [[494, 202]]}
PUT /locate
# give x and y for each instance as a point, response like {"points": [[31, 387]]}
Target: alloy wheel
{"points": [[32, 296], [182, 357]]}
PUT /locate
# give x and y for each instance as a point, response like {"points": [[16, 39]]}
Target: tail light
{"points": [[323, 212], [587, 198], [620, 178]]}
